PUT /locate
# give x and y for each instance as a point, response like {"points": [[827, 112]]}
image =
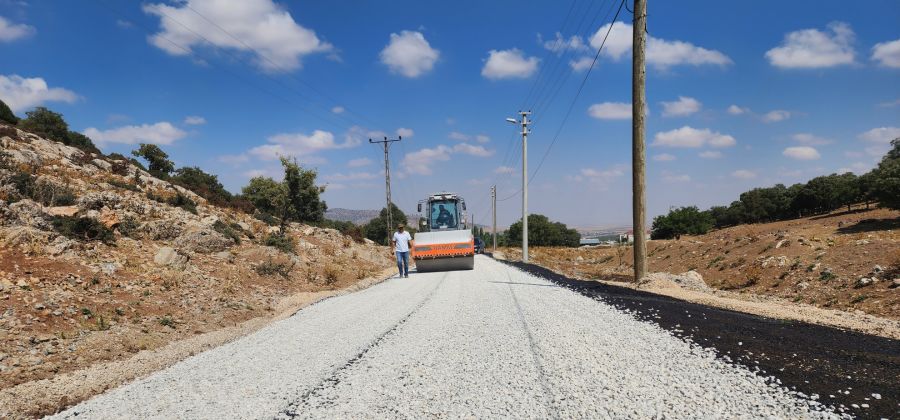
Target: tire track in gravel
{"points": [[333, 379]]}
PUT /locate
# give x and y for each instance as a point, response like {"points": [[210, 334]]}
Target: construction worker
{"points": [[401, 242]]}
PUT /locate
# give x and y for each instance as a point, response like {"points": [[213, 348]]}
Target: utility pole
{"points": [[387, 182], [494, 214], [638, 82], [525, 123]]}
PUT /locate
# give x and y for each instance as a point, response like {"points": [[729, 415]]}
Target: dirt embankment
{"points": [[163, 273], [841, 269]]}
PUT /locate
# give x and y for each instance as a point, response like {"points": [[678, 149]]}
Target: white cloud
{"points": [[664, 157], [856, 167], [301, 145], [476, 182], [472, 150], [691, 137], [405, 132], [889, 104], [661, 53], [12, 31], [194, 120], [812, 48], [882, 135], [736, 110], [887, 54], [338, 110], [807, 138], [600, 178], [710, 154], [509, 64], [682, 107], [22, 93], [581, 64], [481, 138], [776, 115], [610, 111], [560, 44], [162, 133], [456, 135], [504, 170], [259, 27], [671, 178], [743, 174], [422, 161], [356, 163], [352, 176], [409, 54], [801, 153]]}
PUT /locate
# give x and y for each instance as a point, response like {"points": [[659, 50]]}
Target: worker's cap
{"points": [[399, 225]]}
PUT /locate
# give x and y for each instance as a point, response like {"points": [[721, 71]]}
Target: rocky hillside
{"points": [[848, 261], [99, 260]]}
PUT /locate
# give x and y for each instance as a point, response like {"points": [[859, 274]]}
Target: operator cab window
{"points": [[444, 215]]}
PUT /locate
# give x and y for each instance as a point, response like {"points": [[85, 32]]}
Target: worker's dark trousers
{"points": [[402, 262]]}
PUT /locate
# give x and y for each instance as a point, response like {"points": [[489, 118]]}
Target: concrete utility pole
{"points": [[387, 182], [638, 80], [524, 122], [494, 214]]}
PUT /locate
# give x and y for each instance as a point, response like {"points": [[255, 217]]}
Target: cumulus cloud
{"points": [[710, 154], [807, 138], [812, 48], [405, 132], [880, 135], [692, 137], [21, 93], [421, 162], [509, 64], [610, 111], [472, 150], [352, 176], [481, 138], [560, 44], [599, 178], [259, 27], [776, 115], [736, 110], [301, 145], [338, 110], [660, 53], [10, 31], [671, 178], [233, 159], [409, 54], [504, 170], [581, 64], [889, 104], [663, 157], [357, 163], [682, 107], [456, 135], [743, 174], [801, 153], [887, 54], [194, 120], [161, 133]]}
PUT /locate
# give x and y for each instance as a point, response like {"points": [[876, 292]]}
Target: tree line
{"points": [[819, 195]]}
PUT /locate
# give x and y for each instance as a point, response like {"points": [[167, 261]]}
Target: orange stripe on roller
{"points": [[457, 249]]}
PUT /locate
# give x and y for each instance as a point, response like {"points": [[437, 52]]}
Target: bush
{"points": [[203, 184], [158, 161], [123, 185], [6, 114], [681, 221], [270, 267], [377, 230], [130, 227], [283, 243], [227, 231], [23, 185], [51, 194], [543, 232], [46, 123], [177, 200], [265, 218], [83, 229]]}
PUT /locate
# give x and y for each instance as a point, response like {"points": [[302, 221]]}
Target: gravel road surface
{"points": [[493, 342]]}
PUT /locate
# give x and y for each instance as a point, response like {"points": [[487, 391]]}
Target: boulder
{"points": [[162, 229], [27, 213], [863, 282], [170, 257], [68, 211], [204, 240], [109, 218], [98, 200], [102, 164]]}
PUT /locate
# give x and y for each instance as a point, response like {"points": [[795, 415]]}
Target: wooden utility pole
{"points": [[638, 80], [387, 183]]}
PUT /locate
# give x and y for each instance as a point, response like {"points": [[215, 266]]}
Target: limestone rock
{"points": [[204, 240], [109, 218], [170, 257]]}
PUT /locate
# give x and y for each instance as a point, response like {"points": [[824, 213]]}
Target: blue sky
{"points": [[740, 94]]}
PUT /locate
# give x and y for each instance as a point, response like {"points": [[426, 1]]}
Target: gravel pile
{"points": [[493, 342]]}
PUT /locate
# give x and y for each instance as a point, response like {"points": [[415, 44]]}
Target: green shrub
{"points": [[269, 267], [123, 185], [83, 229], [129, 227], [265, 218], [283, 243], [228, 231], [182, 201], [51, 194]]}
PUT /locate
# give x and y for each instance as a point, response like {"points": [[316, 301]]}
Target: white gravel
{"points": [[494, 342]]}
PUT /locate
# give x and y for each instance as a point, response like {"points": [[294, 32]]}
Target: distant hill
{"points": [[359, 217]]}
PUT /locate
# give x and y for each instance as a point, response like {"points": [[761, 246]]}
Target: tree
{"points": [[203, 184], [158, 162], [681, 221], [377, 228], [46, 123], [543, 232], [6, 114], [886, 188], [80, 141], [302, 202], [265, 194]]}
